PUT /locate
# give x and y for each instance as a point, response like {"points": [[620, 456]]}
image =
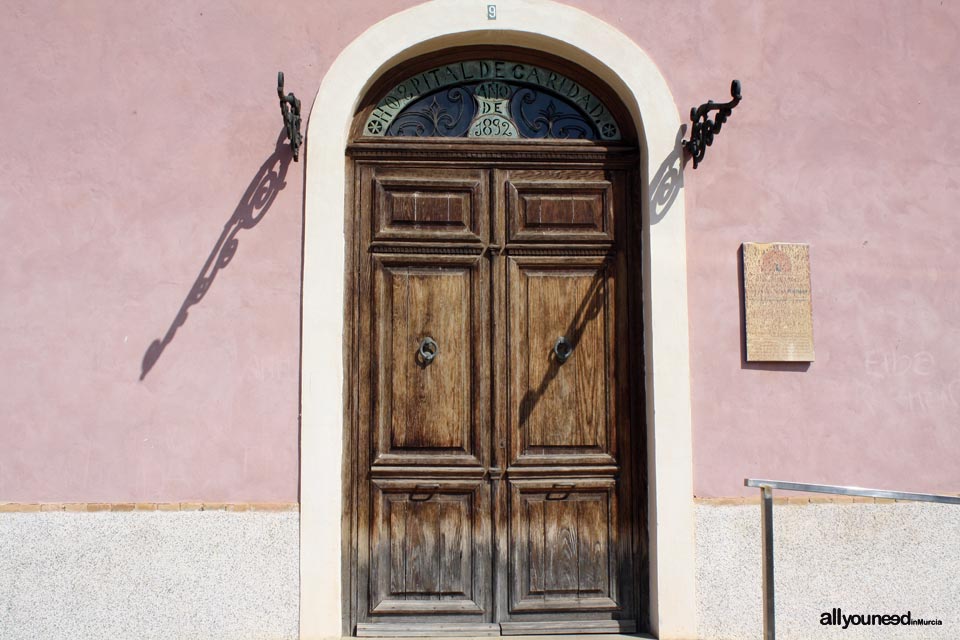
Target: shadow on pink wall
{"points": [[253, 206]]}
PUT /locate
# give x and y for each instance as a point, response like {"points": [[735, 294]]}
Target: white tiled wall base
{"points": [[185, 575], [885, 558]]}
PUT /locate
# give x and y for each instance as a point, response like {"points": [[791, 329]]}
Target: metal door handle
{"points": [[560, 491], [428, 349], [562, 349], [423, 492]]}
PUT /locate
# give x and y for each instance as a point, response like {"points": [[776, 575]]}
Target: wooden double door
{"points": [[496, 463]]}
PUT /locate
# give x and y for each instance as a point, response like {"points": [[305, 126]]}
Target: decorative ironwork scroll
{"points": [[290, 110], [704, 128], [492, 99]]}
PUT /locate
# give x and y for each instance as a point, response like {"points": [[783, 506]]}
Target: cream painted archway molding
{"points": [[614, 58]]}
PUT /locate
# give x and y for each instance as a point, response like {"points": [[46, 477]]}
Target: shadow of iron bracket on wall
{"points": [[290, 110], [701, 136]]}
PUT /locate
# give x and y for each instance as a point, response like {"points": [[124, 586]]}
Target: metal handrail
{"points": [[766, 525]]}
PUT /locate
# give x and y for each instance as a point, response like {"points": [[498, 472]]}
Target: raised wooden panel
{"points": [[438, 204], [429, 546], [561, 412], [556, 207], [429, 412], [564, 545]]}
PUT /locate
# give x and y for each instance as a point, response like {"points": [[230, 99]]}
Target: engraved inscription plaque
{"points": [[777, 302]]}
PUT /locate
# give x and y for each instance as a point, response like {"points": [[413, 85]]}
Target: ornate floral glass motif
{"points": [[492, 99], [444, 114]]}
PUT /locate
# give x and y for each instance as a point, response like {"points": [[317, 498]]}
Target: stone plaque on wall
{"points": [[777, 302]]}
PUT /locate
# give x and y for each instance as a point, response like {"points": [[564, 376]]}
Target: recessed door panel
{"points": [[562, 355], [564, 540], [428, 401], [429, 547], [437, 205], [570, 206]]}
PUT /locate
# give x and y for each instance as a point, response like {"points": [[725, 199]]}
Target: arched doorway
{"points": [[497, 440], [326, 406]]}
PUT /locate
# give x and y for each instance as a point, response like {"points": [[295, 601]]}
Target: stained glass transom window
{"points": [[492, 99]]}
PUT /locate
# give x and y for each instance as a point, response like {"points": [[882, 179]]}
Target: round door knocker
{"points": [[562, 349], [428, 350]]}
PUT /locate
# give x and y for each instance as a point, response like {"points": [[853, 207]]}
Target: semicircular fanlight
{"points": [[493, 99]]}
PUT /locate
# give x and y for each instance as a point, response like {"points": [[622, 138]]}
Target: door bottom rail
{"points": [[479, 630]]}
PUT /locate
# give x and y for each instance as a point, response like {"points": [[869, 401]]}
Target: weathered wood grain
{"points": [[490, 494]]}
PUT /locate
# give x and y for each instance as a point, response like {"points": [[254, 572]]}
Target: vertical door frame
{"points": [[328, 209]]}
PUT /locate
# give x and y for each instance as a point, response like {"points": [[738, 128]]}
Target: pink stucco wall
{"points": [[133, 134], [843, 142]]}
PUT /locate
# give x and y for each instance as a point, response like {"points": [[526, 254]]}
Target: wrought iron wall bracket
{"points": [[701, 136], [290, 110]]}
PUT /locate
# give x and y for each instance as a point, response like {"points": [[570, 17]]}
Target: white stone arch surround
{"points": [[609, 54]]}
